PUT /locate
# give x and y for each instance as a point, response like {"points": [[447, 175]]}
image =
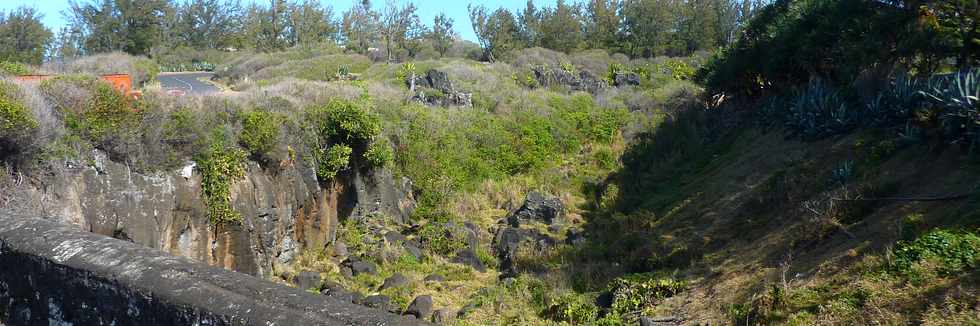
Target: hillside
{"points": [[819, 168]]}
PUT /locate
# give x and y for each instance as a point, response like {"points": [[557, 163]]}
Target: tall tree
{"points": [[497, 31], [312, 23], [359, 27], [561, 27], [133, 26], [442, 34], [396, 25], [23, 37], [602, 23], [529, 25]]}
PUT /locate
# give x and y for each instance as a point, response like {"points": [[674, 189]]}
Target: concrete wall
{"points": [[54, 274]]}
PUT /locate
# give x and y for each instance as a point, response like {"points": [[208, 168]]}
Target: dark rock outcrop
{"points": [[435, 88], [283, 210], [556, 77], [382, 302], [442, 315], [358, 266], [538, 207], [307, 280], [510, 241], [468, 257], [421, 307], [395, 281], [54, 274], [621, 79]]}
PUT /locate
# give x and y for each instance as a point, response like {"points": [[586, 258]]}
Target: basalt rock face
{"points": [[54, 274], [434, 88], [556, 77], [283, 210]]}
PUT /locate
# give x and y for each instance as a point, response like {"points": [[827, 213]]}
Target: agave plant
{"points": [[819, 110], [958, 95]]}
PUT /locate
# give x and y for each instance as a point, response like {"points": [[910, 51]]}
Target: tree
{"points": [[529, 28], [207, 23], [561, 27], [67, 44], [602, 22], [358, 28], [699, 25], [496, 31], [650, 26], [442, 34], [311, 23], [397, 23], [134, 26], [23, 37]]}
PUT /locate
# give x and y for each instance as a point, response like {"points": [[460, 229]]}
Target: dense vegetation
{"points": [[819, 167]]}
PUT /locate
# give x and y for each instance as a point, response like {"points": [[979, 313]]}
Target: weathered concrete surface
{"points": [[54, 274], [284, 209]]}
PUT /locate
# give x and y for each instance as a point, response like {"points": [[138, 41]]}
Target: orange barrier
{"points": [[121, 82]]}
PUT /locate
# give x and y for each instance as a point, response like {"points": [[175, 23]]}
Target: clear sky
{"points": [[428, 9]]}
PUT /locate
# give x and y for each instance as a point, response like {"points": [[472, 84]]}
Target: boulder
{"points": [[434, 278], [466, 310], [382, 302], [358, 266], [394, 238], [414, 251], [468, 257], [397, 280], [340, 249], [307, 280], [421, 307], [441, 316], [584, 81], [538, 207], [509, 241], [336, 291], [659, 321], [435, 88], [621, 79]]}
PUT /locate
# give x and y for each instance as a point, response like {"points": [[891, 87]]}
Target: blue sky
{"points": [[456, 9]]}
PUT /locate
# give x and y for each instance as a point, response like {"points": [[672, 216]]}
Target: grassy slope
{"points": [[744, 211]]}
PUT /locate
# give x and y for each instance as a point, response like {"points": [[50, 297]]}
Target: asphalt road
{"points": [[187, 82]]}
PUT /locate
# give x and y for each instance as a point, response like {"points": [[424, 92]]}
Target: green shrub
{"points": [[332, 160], [574, 309], [953, 251], [678, 69], [638, 291], [346, 121], [15, 118], [260, 131], [593, 123], [440, 239], [13, 68], [221, 165], [93, 109], [379, 153]]}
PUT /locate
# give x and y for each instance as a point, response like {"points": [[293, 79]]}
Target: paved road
{"points": [[187, 83]]}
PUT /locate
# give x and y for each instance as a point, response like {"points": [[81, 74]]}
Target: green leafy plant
{"points": [[405, 70], [573, 309], [379, 153], [637, 291], [260, 131], [332, 160], [13, 68], [15, 118], [440, 239], [221, 165], [954, 251]]}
